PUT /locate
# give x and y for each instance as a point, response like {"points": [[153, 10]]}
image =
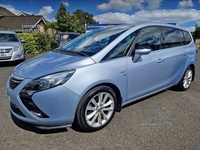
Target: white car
{"points": [[11, 48]]}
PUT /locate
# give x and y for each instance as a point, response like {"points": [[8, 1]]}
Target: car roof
{"points": [[10, 32], [138, 26], [160, 24]]}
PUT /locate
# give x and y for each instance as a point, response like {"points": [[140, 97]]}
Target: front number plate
{"points": [[3, 55]]}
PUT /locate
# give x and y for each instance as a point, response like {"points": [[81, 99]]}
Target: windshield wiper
{"points": [[75, 52]]}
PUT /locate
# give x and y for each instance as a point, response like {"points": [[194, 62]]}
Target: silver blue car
{"points": [[11, 48], [87, 80]]}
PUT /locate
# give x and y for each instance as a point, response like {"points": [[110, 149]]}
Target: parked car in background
{"points": [[64, 37], [96, 74], [11, 48]]}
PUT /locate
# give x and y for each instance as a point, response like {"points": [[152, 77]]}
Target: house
{"points": [[22, 22], [5, 12]]}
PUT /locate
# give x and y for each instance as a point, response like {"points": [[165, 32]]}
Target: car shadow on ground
{"points": [[32, 128], [175, 89], [9, 63]]}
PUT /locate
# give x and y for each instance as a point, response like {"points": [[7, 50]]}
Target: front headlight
{"points": [[46, 82], [18, 48]]}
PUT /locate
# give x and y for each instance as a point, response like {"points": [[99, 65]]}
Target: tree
{"points": [[63, 18], [196, 33], [75, 24], [51, 27], [84, 17], [67, 22]]}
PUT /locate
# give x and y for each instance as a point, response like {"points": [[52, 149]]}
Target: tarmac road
{"points": [[169, 120]]}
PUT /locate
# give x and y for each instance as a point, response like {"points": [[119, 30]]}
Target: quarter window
{"points": [[187, 37], [150, 37]]}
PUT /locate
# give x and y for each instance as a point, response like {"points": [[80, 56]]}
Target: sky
{"points": [[185, 13]]}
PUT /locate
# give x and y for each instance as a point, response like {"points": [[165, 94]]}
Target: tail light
{"points": [[197, 48]]}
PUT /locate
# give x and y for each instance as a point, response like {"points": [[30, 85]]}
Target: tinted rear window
{"points": [[172, 37], [150, 37]]}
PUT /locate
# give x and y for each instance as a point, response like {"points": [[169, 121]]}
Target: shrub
{"points": [[36, 43], [30, 45]]}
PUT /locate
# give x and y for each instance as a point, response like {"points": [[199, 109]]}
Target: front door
{"points": [[147, 74]]}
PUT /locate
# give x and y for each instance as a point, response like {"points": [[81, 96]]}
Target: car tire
{"points": [[186, 80], [96, 108]]}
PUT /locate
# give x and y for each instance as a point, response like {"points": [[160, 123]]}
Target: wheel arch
{"points": [[117, 92], [193, 69]]}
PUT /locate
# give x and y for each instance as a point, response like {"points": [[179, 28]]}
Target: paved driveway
{"points": [[168, 120]]}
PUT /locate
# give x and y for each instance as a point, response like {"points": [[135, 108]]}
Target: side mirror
{"points": [[57, 40], [22, 41], [139, 52]]}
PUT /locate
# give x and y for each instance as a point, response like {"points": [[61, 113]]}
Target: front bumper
{"points": [[12, 56], [58, 104]]}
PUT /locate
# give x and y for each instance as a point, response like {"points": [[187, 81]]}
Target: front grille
{"points": [[5, 50], [14, 82]]}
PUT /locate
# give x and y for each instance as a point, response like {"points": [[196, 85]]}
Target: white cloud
{"points": [[185, 4], [66, 4], [11, 8], [121, 5], [153, 4], [179, 16], [126, 5], [104, 6], [192, 29], [46, 11]]}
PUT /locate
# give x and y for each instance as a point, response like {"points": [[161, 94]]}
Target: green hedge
{"points": [[37, 43]]}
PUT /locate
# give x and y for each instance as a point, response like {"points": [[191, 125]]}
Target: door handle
{"points": [[160, 60], [185, 53]]}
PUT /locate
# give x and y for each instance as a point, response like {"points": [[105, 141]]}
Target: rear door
{"points": [[176, 54]]}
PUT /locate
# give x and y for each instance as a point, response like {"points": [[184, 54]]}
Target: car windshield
{"points": [[5, 37], [94, 41]]}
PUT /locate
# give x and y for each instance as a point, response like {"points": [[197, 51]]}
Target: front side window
{"points": [[172, 37], [121, 49], [149, 37]]}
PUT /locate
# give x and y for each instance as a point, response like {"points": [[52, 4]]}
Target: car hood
{"points": [[49, 63], [9, 44]]}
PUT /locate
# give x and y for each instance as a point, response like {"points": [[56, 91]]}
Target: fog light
{"points": [[18, 56], [37, 113]]}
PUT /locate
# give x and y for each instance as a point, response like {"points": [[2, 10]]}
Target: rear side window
{"points": [[187, 37], [150, 37], [172, 37]]}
